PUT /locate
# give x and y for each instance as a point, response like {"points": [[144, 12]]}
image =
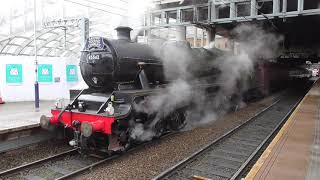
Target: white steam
{"points": [[203, 108], [135, 14]]}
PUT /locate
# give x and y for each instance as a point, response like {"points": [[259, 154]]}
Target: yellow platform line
{"points": [[257, 166]]}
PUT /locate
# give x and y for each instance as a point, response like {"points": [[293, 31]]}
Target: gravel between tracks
{"points": [[31, 153], [154, 158]]}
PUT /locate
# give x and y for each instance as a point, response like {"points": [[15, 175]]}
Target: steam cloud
{"points": [[234, 72]]}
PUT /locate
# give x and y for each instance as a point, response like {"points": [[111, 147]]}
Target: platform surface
{"points": [[21, 115], [295, 151]]}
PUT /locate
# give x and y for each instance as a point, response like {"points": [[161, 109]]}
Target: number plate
{"points": [[93, 58]]}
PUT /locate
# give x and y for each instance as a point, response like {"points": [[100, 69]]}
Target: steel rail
{"points": [[219, 139], [17, 169], [259, 148], [241, 170], [89, 167], [37, 162], [103, 161]]}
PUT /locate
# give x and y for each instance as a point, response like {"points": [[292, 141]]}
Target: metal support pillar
{"points": [[232, 44], [181, 33], [179, 16], [300, 5], [195, 14], [213, 14], [253, 11], [232, 10], [65, 38], [145, 39], [163, 18], [276, 6], [36, 84], [25, 18], [84, 26], [202, 37], [211, 34], [195, 37], [284, 6]]}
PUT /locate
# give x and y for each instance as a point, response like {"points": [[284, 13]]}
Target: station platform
{"points": [[18, 116], [294, 153]]}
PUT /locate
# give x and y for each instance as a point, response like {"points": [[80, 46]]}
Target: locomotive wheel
{"points": [[159, 128], [176, 120], [84, 145], [126, 141]]}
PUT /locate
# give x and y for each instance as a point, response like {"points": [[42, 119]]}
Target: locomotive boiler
{"points": [[107, 63]]}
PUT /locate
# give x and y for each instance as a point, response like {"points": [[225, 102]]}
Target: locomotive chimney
{"points": [[123, 33]]}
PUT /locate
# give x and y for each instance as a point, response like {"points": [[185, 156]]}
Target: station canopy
{"points": [[17, 24]]}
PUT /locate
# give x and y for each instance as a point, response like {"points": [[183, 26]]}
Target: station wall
{"points": [[56, 88]]}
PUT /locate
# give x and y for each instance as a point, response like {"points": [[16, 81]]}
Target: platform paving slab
{"points": [[22, 115]]}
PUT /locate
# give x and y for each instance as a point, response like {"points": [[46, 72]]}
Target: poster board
{"points": [[72, 73], [45, 73], [14, 74]]}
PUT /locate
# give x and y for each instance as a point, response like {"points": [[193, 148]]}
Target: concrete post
{"points": [[181, 33], [276, 6], [253, 8]]}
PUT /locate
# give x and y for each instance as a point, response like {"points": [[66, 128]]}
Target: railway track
{"points": [[60, 166], [17, 139], [230, 156], [63, 165]]}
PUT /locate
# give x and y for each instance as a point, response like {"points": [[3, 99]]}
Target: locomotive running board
{"points": [[71, 104]]}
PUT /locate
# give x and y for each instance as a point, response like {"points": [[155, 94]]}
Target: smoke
{"points": [[174, 96], [257, 42], [141, 133], [225, 76]]}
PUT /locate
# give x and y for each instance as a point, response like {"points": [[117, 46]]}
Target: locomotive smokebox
{"points": [[123, 33]]}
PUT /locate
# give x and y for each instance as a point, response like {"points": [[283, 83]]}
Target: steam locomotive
{"points": [[121, 74]]}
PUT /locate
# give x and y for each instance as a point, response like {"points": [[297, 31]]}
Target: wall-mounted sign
{"points": [[14, 73], [45, 73], [72, 73]]}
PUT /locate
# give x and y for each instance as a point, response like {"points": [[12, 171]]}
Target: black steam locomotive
{"points": [[121, 74]]}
